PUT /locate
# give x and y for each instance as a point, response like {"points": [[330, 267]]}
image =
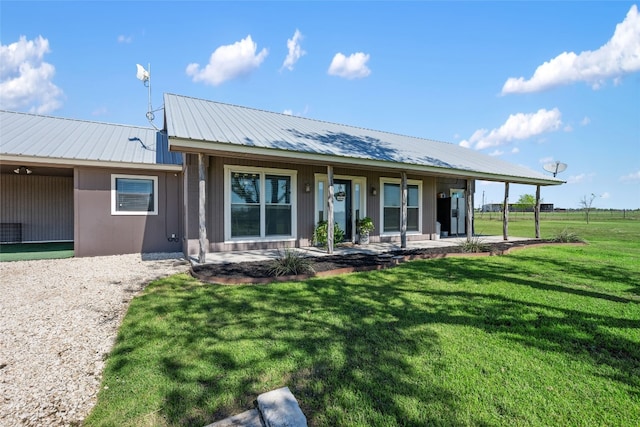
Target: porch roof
{"points": [[31, 138], [197, 125]]}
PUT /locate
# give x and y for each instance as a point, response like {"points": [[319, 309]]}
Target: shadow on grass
{"points": [[357, 349]]}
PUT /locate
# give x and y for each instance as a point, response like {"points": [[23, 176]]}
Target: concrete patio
{"points": [[371, 248]]}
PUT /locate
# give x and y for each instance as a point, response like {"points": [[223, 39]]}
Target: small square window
{"points": [[134, 195]]}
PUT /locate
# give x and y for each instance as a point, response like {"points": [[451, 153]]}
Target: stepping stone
{"points": [[249, 418], [280, 408]]}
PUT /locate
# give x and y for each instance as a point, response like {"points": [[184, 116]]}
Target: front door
{"points": [[342, 214]]}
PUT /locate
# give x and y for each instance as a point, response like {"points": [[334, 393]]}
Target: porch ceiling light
{"points": [[22, 170]]}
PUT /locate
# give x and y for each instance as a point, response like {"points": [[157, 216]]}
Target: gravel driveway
{"points": [[58, 321]]}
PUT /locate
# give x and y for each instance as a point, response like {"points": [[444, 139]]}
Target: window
{"points": [[134, 195], [261, 203], [392, 209]]}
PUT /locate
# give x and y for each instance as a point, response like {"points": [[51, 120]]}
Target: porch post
{"points": [[536, 212], [202, 198], [468, 195], [330, 220], [505, 213], [403, 211]]}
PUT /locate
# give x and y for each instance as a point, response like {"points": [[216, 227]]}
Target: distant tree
{"points": [[526, 202], [586, 203]]}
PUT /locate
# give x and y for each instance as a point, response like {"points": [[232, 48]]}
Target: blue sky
{"points": [[530, 82]]}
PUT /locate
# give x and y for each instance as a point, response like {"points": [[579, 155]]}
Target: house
{"points": [[221, 177], [108, 188]]}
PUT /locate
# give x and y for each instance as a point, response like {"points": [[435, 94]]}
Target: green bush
{"points": [[566, 236], [474, 244], [365, 225], [320, 234], [289, 263]]}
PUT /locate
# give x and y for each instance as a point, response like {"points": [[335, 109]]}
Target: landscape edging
{"points": [[220, 280]]}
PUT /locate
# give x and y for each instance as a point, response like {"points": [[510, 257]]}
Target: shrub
{"points": [[365, 225], [320, 234], [474, 244], [291, 262], [566, 236]]}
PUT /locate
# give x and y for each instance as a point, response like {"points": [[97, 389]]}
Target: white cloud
{"points": [[585, 121], [125, 39], [25, 79], [496, 153], [290, 112], [517, 127], [228, 62], [352, 67], [545, 160], [634, 176], [605, 195], [515, 150], [100, 111], [578, 179], [295, 51], [618, 57], [568, 128]]}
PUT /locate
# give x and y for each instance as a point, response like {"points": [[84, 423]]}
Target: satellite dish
{"points": [[555, 167], [142, 74]]}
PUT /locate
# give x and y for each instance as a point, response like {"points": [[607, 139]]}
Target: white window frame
{"points": [[324, 178], [114, 197], [384, 181], [293, 174]]}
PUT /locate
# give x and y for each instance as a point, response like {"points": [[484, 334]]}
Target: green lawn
{"points": [[544, 337]]}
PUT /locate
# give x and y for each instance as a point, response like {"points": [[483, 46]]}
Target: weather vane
{"points": [[145, 77]]}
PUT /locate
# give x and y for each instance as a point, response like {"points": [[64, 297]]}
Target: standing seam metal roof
{"points": [[23, 134], [208, 121]]}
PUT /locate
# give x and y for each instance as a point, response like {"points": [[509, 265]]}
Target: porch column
{"points": [[330, 220], [202, 198], [403, 211], [536, 212], [468, 195], [505, 213]]}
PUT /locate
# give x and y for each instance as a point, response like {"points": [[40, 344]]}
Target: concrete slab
{"points": [[249, 418], [280, 408], [371, 248]]}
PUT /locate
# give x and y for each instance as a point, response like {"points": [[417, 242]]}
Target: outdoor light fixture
{"points": [[374, 192], [307, 187], [22, 170]]}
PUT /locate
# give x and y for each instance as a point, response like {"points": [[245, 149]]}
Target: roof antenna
{"points": [[145, 77]]}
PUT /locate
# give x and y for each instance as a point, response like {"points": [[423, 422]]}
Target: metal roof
{"points": [[59, 139], [191, 121]]}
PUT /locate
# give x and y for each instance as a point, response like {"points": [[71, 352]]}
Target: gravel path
{"points": [[58, 321]]}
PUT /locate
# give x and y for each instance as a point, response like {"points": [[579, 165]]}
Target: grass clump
{"points": [[474, 245], [567, 236], [289, 263]]}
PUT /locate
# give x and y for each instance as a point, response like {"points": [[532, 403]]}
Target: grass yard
{"points": [[542, 337]]}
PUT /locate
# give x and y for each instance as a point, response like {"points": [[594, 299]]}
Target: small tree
{"points": [[587, 204], [526, 202]]}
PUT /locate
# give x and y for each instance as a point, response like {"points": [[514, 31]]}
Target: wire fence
{"points": [[567, 215]]}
